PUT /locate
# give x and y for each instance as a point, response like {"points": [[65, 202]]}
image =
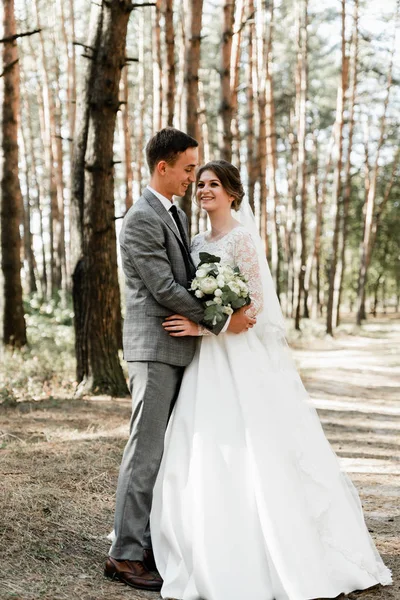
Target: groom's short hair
{"points": [[166, 145]]}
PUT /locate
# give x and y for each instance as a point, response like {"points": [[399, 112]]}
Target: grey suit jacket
{"points": [[157, 274]]}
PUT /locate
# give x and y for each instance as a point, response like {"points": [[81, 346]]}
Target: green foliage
{"points": [[47, 366]]}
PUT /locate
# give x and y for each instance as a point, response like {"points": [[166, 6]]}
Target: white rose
{"points": [[244, 289], [198, 294], [194, 285], [218, 292], [228, 273], [201, 273], [233, 285], [208, 285], [217, 301], [220, 281]]}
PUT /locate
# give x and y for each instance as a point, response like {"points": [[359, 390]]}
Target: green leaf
{"points": [[208, 258], [238, 302], [213, 314]]}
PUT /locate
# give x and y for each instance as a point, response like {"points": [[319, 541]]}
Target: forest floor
{"points": [[59, 460]]}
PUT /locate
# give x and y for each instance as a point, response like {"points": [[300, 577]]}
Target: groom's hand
{"points": [[241, 322], [179, 326]]}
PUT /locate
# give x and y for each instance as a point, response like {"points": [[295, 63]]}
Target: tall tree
{"points": [[370, 202], [250, 78], [125, 131], [14, 327], [226, 109], [262, 120], [347, 171], [54, 166], [301, 106], [194, 14], [337, 184], [96, 290], [272, 158], [235, 79], [170, 43], [157, 69]]}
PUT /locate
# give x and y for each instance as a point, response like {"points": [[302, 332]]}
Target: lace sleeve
{"points": [[247, 261], [202, 331]]}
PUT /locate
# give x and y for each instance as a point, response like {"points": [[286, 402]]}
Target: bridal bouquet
{"points": [[222, 288]]}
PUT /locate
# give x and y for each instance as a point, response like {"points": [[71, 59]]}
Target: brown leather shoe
{"points": [[133, 573], [148, 560]]}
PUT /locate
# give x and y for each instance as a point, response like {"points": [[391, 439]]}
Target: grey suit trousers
{"points": [[154, 387]]}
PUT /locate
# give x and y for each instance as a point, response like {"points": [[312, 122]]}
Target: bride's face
{"points": [[210, 193]]}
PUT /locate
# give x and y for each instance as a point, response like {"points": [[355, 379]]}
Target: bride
{"points": [[250, 502]]}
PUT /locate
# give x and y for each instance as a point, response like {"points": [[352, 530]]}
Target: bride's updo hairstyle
{"points": [[229, 177]]}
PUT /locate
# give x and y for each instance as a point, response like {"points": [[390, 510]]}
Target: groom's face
{"points": [[182, 173]]}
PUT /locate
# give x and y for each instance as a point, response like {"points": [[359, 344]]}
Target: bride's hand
{"points": [[179, 326]]}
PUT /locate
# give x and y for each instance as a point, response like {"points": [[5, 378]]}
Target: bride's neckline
{"points": [[221, 237]]}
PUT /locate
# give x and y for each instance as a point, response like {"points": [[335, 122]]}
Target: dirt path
{"points": [[354, 382], [59, 462]]}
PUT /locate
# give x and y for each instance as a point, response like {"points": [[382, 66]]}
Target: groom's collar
{"points": [[164, 201]]}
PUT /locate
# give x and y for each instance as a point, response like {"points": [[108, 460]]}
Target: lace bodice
{"points": [[237, 249]]}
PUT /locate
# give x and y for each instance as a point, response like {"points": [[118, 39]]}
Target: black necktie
{"points": [[190, 268], [174, 212]]}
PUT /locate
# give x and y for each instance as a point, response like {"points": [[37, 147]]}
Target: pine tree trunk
{"points": [[126, 137], [301, 93], [347, 174], [235, 79], [250, 75], [170, 43], [194, 14], [272, 158], [139, 130], [29, 255], [96, 290], [54, 162], [262, 129], [157, 68], [14, 328], [337, 184], [225, 109], [371, 196], [39, 195]]}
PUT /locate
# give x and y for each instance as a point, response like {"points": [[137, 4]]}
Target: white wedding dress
{"points": [[250, 502]]}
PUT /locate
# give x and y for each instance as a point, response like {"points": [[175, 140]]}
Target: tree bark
{"points": [[301, 100], [337, 185], [126, 137], [139, 134], [347, 174], [54, 169], [194, 13], [157, 69], [170, 43], [14, 327], [235, 79], [29, 256], [96, 290], [371, 196], [250, 76], [262, 129], [226, 109], [272, 158]]}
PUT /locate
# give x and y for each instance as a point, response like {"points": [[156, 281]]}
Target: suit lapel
{"points": [[160, 210]]}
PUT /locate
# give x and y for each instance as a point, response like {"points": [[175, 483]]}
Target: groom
{"points": [[158, 268]]}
